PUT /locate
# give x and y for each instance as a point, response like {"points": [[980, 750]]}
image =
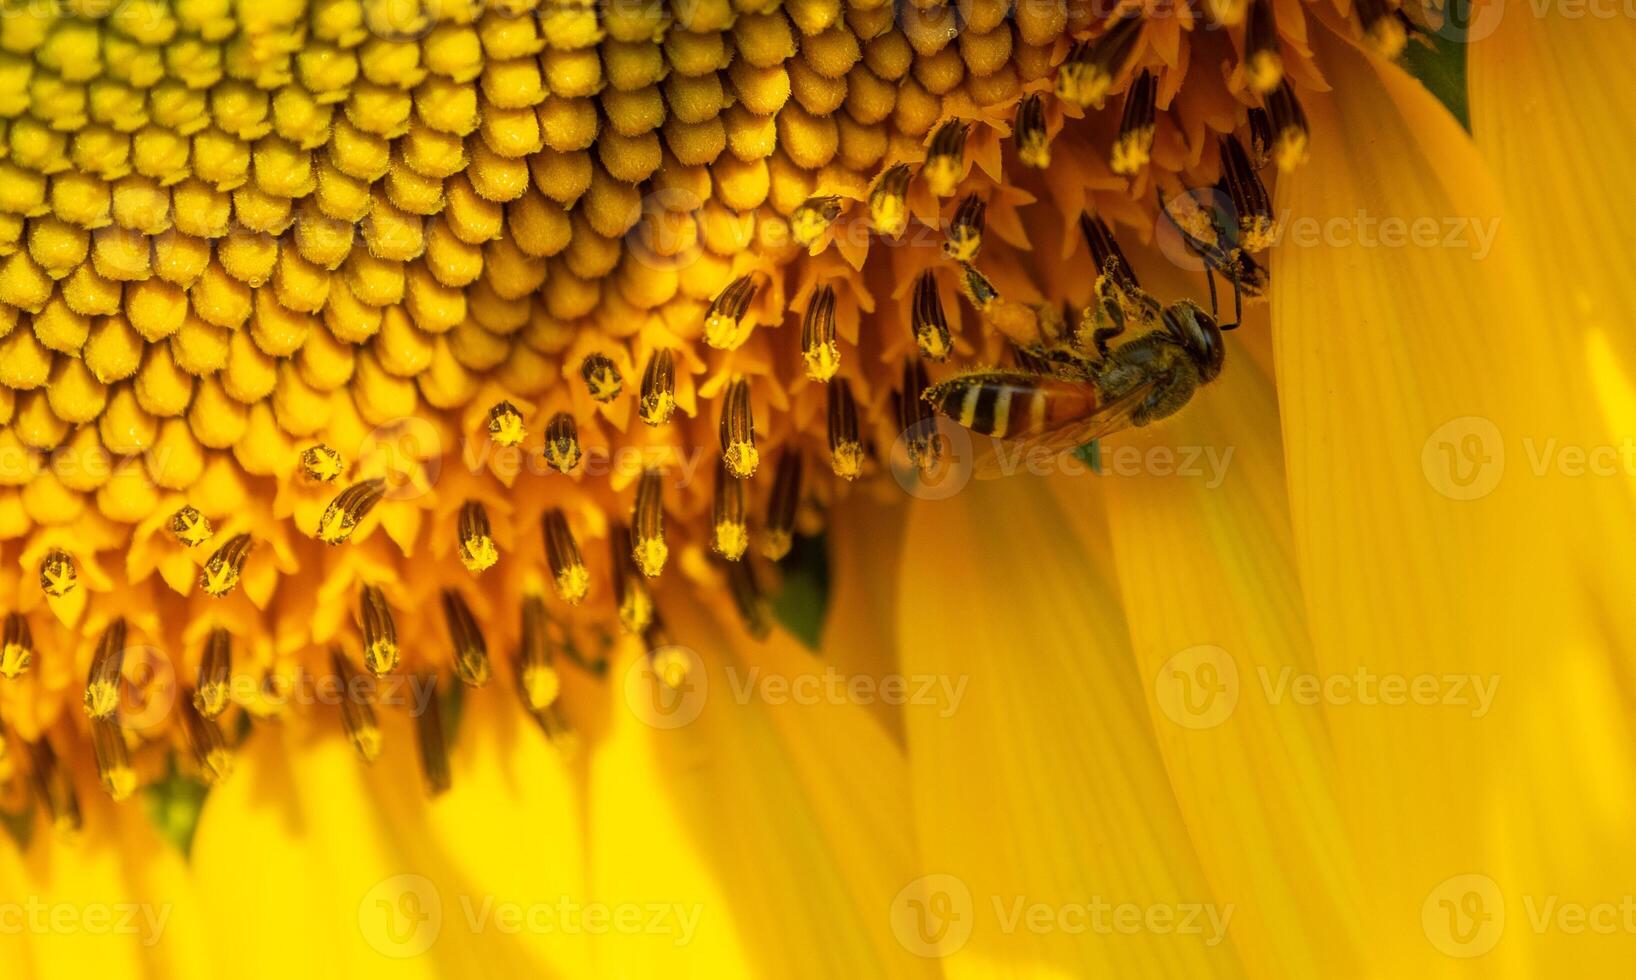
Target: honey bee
{"points": [[1067, 394]]}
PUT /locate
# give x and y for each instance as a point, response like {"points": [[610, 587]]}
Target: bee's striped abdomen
{"points": [[1009, 405]]}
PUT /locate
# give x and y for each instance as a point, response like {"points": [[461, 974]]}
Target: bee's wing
{"points": [[1005, 457]]}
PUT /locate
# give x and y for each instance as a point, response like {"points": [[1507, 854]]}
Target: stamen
{"points": [[818, 347], [1028, 361], [1249, 195], [505, 425], [809, 221], [730, 532], [1263, 60], [747, 596], [658, 388], [779, 535], [204, 737], [945, 158], [1134, 146], [348, 509], [189, 526], [930, 324], [1033, 140], [477, 548], [321, 464], [1383, 29], [357, 714], [113, 759], [16, 646], [722, 324], [648, 524], [58, 573], [738, 437], [1290, 134], [978, 290], [888, 204], [965, 233], [537, 678], [1104, 247], [1091, 66], [917, 419], [602, 378], [54, 786], [845, 448], [102, 684], [562, 442], [569, 575], [434, 750], [215, 674], [471, 653], [631, 596], [380, 631], [1260, 125]]}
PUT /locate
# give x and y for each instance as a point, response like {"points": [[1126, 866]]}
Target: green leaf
{"points": [[802, 604], [1091, 455], [173, 806], [1440, 65]]}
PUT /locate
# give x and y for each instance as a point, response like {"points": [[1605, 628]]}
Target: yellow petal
{"points": [[1043, 792]]}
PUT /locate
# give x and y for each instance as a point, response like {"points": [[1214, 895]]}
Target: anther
{"points": [[1260, 126], [888, 204], [809, 221], [505, 425], [380, 631], [631, 597], [648, 524], [16, 646], [321, 464], [915, 416], [1134, 146], [779, 534], [1033, 140], [602, 378], [1263, 61], [568, 573], [930, 324], [1104, 247], [1091, 66], [357, 714], [738, 437], [729, 531], [1288, 127], [471, 653], [102, 683], [977, 288], [723, 324], [562, 442], [1383, 29], [818, 347], [204, 737], [945, 158], [845, 448], [536, 677], [58, 573], [215, 674], [434, 749], [54, 786], [189, 526], [747, 596], [965, 232], [1249, 196], [658, 387], [477, 548], [113, 758], [348, 509]]}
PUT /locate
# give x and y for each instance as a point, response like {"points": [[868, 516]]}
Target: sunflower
{"points": [[423, 423]]}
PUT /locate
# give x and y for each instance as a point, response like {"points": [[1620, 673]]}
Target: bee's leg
{"points": [[1238, 308], [1210, 277], [1110, 323]]}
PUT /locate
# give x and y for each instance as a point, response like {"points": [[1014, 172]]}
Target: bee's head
{"points": [[1198, 332]]}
